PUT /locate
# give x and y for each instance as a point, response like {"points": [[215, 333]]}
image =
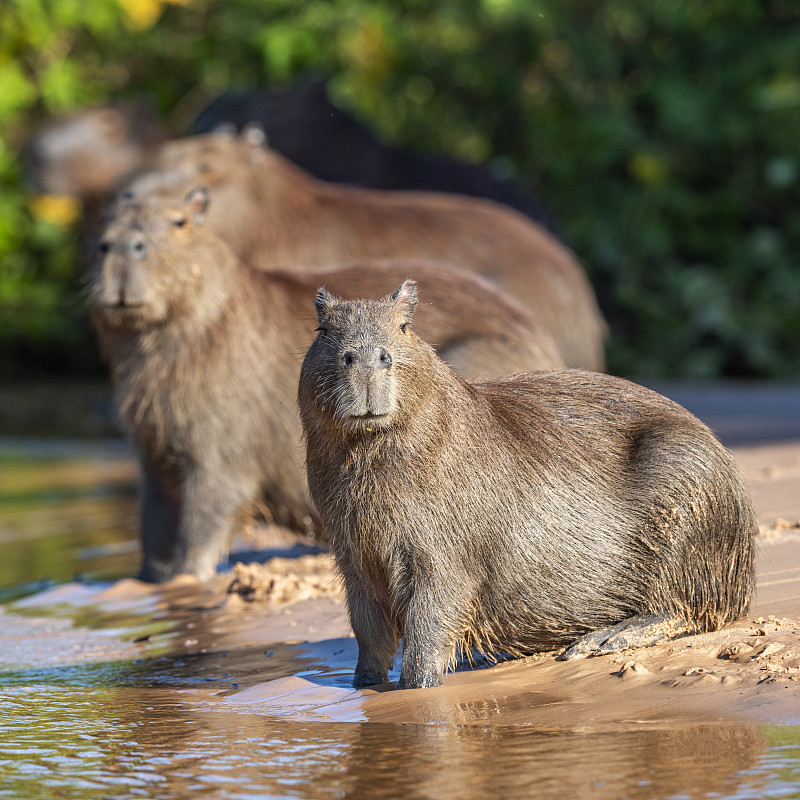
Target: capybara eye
{"points": [[404, 327], [179, 223], [103, 247], [140, 248]]}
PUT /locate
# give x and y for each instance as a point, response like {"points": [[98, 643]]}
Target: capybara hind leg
{"points": [[376, 637], [637, 631]]}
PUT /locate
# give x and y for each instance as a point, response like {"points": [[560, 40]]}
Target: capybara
{"points": [[274, 215], [205, 354], [509, 515], [83, 155], [302, 123]]}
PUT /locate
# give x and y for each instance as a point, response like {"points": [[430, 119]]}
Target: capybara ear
{"points": [[253, 133], [197, 202], [324, 302], [255, 138], [225, 130], [405, 298]]}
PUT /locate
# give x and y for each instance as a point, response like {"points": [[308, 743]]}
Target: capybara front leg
{"points": [[429, 641], [640, 630], [211, 500], [159, 514], [376, 637]]}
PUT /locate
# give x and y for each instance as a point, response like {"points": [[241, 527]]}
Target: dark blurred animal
{"points": [[205, 355], [513, 514], [274, 215]]}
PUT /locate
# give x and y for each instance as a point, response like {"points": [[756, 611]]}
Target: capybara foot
{"points": [[155, 571], [641, 630], [369, 677], [421, 681]]}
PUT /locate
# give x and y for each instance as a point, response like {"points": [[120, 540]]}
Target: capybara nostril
{"points": [[384, 358]]}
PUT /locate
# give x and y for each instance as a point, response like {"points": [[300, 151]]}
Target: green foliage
{"points": [[663, 136]]}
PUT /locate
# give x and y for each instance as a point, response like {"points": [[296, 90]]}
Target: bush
{"points": [[663, 136]]}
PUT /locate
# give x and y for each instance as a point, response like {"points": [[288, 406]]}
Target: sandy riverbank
{"points": [[750, 670]]}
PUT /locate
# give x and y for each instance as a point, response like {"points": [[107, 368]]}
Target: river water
{"points": [[105, 704]]}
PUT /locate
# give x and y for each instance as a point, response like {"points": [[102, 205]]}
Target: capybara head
{"points": [[212, 159], [83, 155], [155, 264], [363, 360]]}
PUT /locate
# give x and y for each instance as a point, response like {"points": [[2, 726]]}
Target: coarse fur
{"points": [[205, 355], [274, 215], [512, 514]]}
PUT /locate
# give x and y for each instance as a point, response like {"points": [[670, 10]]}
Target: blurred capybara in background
{"points": [[274, 215], [512, 514], [302, 124], [205, 355], [83, 155]]}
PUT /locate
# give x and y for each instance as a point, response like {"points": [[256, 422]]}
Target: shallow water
{"points": [[67, 510], [80, 739], [108, 703]]}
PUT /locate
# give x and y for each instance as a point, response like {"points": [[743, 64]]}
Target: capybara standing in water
{"points": [[513, 514], [275, 216], [205, 355]]}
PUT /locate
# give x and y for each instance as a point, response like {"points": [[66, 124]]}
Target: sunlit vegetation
{"points": [[662, 136]]}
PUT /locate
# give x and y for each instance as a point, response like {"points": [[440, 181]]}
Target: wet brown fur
{"points": [[276, 216], [205, 354], [512, 514]]}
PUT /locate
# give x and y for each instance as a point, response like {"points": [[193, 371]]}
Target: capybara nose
{"points": [[382, 358], [349, 358], [139, 248]]}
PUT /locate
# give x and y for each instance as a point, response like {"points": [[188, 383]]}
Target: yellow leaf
{"points": [[57, 209], [648, 168], [143, 14]]}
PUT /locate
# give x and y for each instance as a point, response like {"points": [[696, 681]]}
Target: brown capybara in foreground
{"points": [[274, 215], [513, 514], [205, 355]]}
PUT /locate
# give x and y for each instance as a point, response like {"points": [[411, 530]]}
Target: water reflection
{"points": [[67, 509], [127, 742]]}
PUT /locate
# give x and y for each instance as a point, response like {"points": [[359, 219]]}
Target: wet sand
{"points": [[749, 671]]}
